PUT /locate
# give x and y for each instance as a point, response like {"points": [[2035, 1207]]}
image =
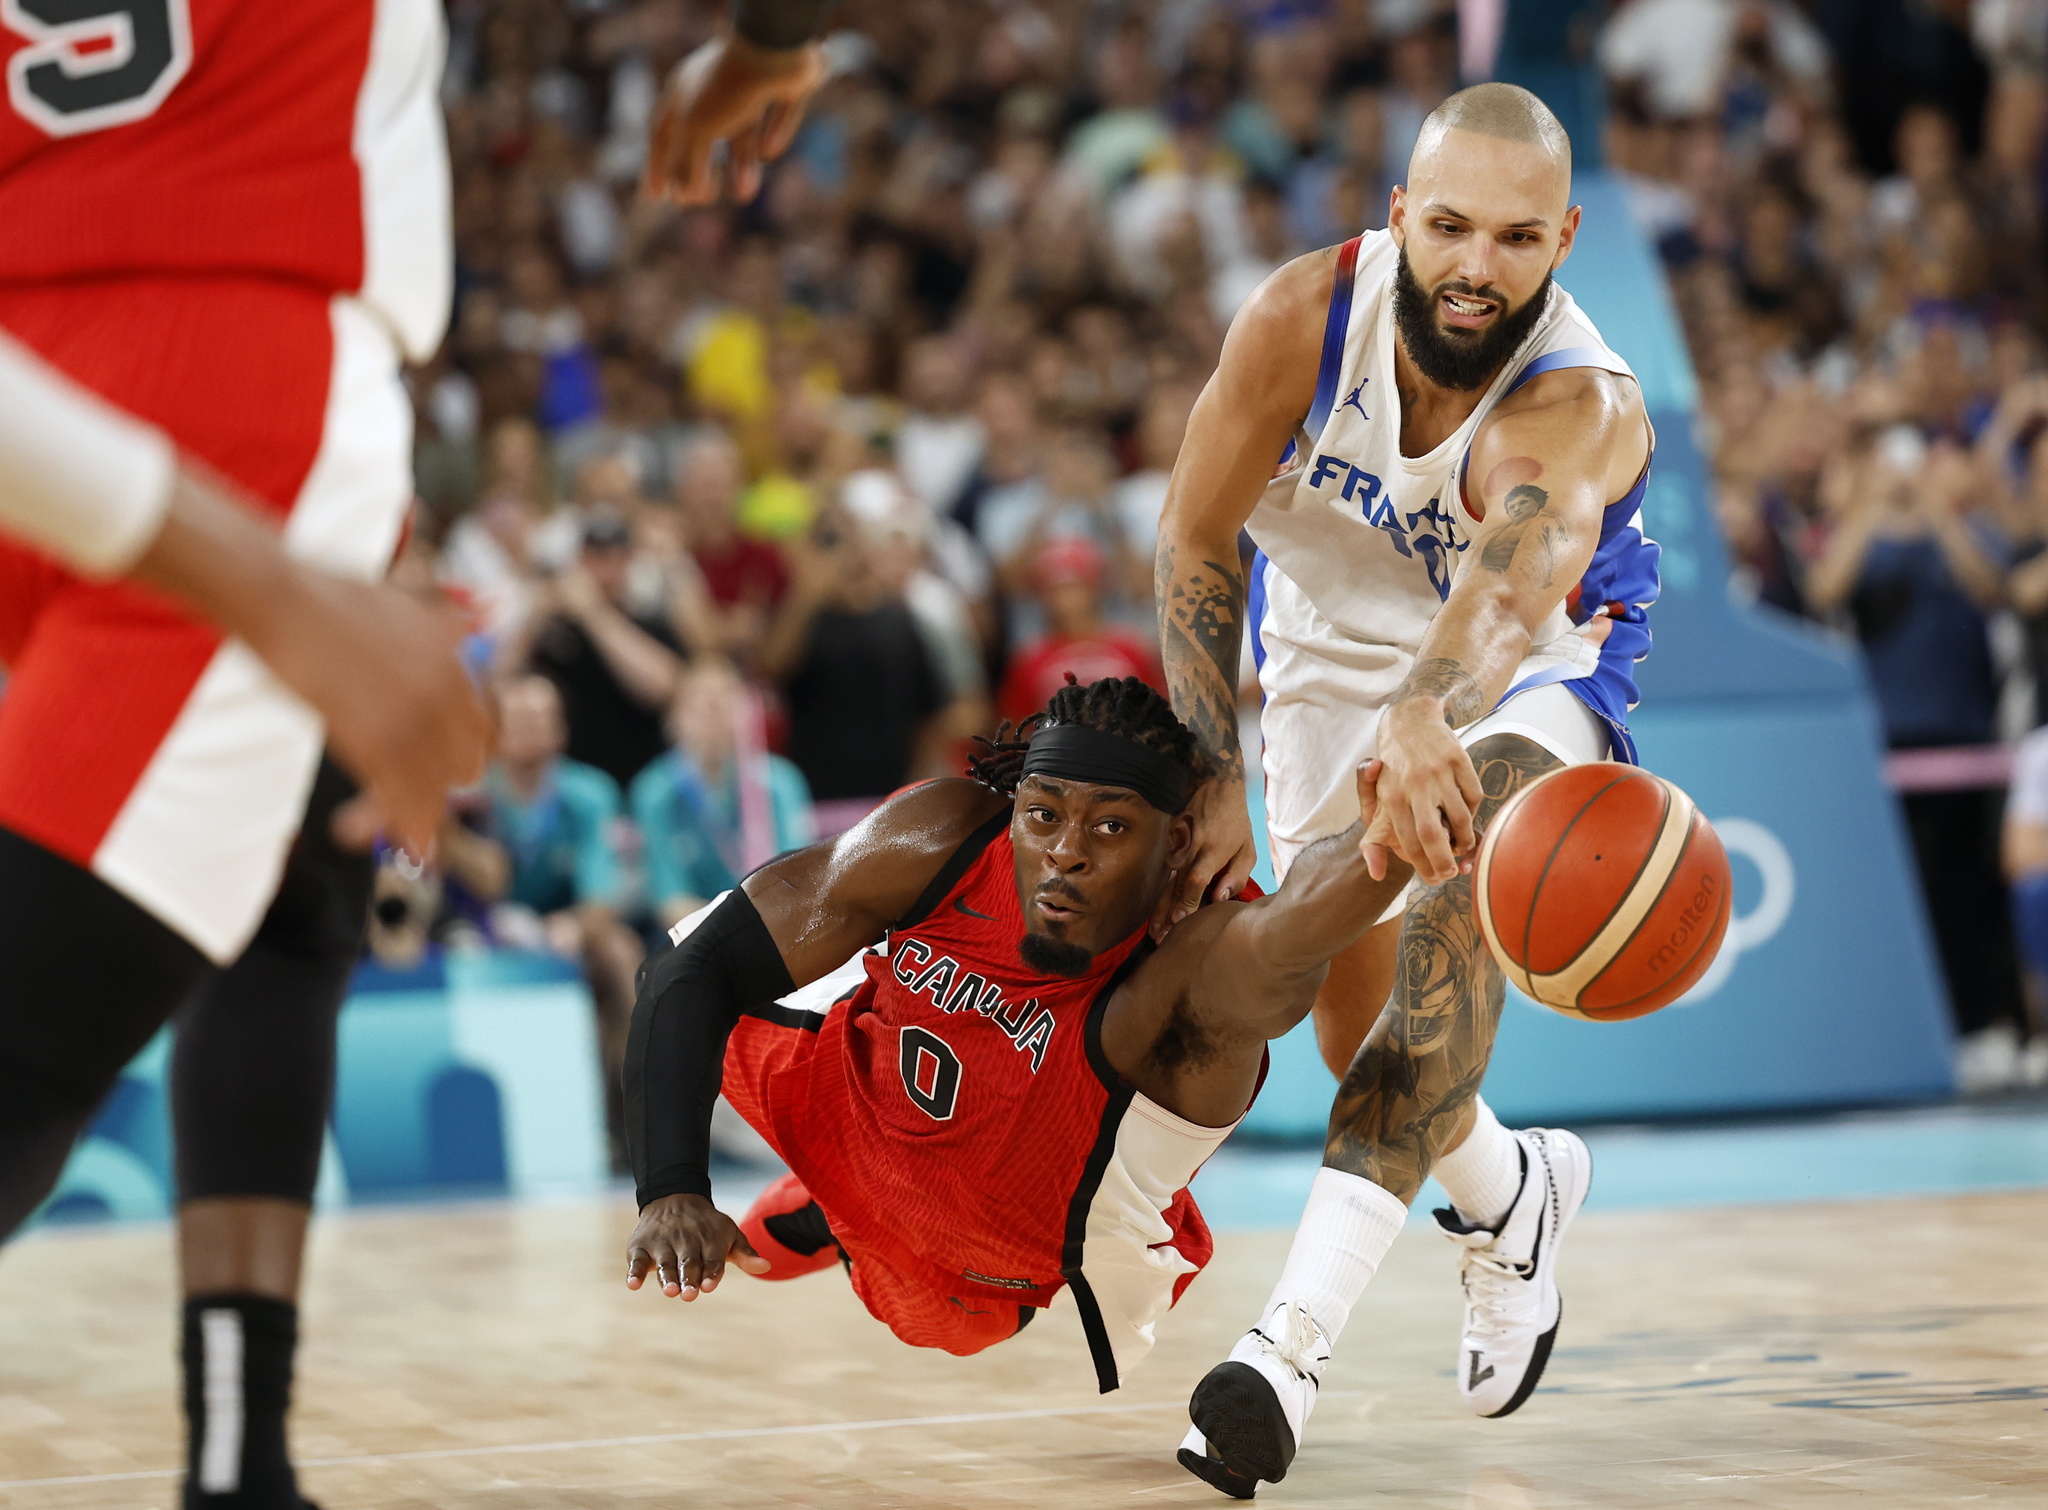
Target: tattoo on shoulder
{"points": [[1445, 678]]}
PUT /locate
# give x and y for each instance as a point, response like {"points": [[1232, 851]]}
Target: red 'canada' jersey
{"points": [[957, 1115], [298, 140]]}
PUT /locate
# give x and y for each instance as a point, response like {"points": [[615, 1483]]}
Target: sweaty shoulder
{"points": [[1592, 392], [824, 902], [1590, 419]]}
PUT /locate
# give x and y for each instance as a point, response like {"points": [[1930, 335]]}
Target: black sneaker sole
{"points": [[1236, 1409], [1217, 1476], [1538, 1360]]}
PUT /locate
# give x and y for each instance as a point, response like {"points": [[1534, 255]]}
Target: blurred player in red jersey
{"points": [[1068, 574], [229, 225], [954, 1027]]}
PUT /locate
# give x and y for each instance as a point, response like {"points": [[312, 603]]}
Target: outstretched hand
{"points": [[752, 98], [687, 1242]]}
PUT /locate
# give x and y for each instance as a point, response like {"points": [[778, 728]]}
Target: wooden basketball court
{"points": [[1774, 1356]]}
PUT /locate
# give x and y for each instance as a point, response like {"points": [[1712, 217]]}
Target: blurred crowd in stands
{"points": [[765, 510], [1847, 198]]}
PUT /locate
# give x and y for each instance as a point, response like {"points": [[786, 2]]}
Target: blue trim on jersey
{"points": [[1569, 356], [1255, 608], [1335, 328], [1621, 582]]}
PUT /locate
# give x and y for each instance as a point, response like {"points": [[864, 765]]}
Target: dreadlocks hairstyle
{"points": [[1122, 706]]}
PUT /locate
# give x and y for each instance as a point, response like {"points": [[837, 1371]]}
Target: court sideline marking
{"points": [[816, 1428]]}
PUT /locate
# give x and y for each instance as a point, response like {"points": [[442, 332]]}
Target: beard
{"points": [[1460, 360], [1050, 956]]}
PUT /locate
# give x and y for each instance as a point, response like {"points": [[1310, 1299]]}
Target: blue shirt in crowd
{"points": [[692, 830], [1927, 646], [560, 843]]}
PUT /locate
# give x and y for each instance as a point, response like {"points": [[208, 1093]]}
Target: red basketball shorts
{"points": [[909, 1304], [134, 740]]}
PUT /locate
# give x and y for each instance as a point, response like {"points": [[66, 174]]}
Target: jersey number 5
{"points": [[91, 64], [931, 1072]]}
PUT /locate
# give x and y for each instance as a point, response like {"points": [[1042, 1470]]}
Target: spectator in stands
{"points": [[1071, 496], [717, 805], [1917, 578], [939, 441], [744, 577], [1077, 645], [899, 532], [863, 691], [488, 551], [615, 663], [1008, 414], [556, 819]]}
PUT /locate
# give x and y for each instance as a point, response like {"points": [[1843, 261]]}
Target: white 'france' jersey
{"points": [[1359, 545]]}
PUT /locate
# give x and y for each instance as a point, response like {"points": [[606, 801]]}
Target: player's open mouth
{"points": [[1467, 313], [1056, 912]]}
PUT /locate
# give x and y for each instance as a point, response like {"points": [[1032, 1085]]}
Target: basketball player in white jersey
{"points": [[1449, 597]]}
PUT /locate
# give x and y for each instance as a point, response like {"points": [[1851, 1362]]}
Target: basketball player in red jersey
{"points": [[952, 1025], [1452, 590], [228, 224]]}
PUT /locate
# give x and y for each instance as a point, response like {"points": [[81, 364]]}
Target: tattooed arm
{"points": [[1543, 469], [1253, 404]]}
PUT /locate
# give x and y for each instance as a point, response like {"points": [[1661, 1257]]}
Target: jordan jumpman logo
{"points": [[1351, 399]]}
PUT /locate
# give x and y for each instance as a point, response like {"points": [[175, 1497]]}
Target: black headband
{"points": [[1080, 753]]}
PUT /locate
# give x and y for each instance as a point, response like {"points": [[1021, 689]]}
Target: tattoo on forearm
{"points": [[1444, 678], [1408, 1089], [1201, 631], [1528, 520]]}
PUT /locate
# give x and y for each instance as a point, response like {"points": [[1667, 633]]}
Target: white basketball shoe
{"points": [[1249, 1410], [1512, 1306]]}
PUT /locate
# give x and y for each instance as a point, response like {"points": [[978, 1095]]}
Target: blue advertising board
{"points": [[475, 1074], [1826, 992]]}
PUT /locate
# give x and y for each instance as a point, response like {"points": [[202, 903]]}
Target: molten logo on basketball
{"points": [[1602, 891], [1701, 909]]}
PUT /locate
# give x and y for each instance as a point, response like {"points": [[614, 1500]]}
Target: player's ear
{"points": [[1180, 839], [1566, 235], [1397, 214]]}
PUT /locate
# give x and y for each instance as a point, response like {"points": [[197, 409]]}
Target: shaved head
{"points": [[1506, 111], [1483, 221]]}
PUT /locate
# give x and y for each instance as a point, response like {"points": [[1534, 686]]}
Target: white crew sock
{"points": [[1345, 1231], [1483, 1174]]}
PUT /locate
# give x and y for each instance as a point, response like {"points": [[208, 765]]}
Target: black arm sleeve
{"points": [[690, 997], [780, 24]]}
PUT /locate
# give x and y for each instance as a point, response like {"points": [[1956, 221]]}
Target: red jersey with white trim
{"points": [[956, 1116], [300, 141]]}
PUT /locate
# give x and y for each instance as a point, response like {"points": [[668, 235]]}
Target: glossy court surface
{"points": [[1892, 1352]]}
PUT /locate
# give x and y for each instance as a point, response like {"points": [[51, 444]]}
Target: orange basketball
{"points": [[1602, 891]]}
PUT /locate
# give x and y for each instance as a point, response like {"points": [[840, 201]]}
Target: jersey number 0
{"points": [[91, 64], [931, 1072]]}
